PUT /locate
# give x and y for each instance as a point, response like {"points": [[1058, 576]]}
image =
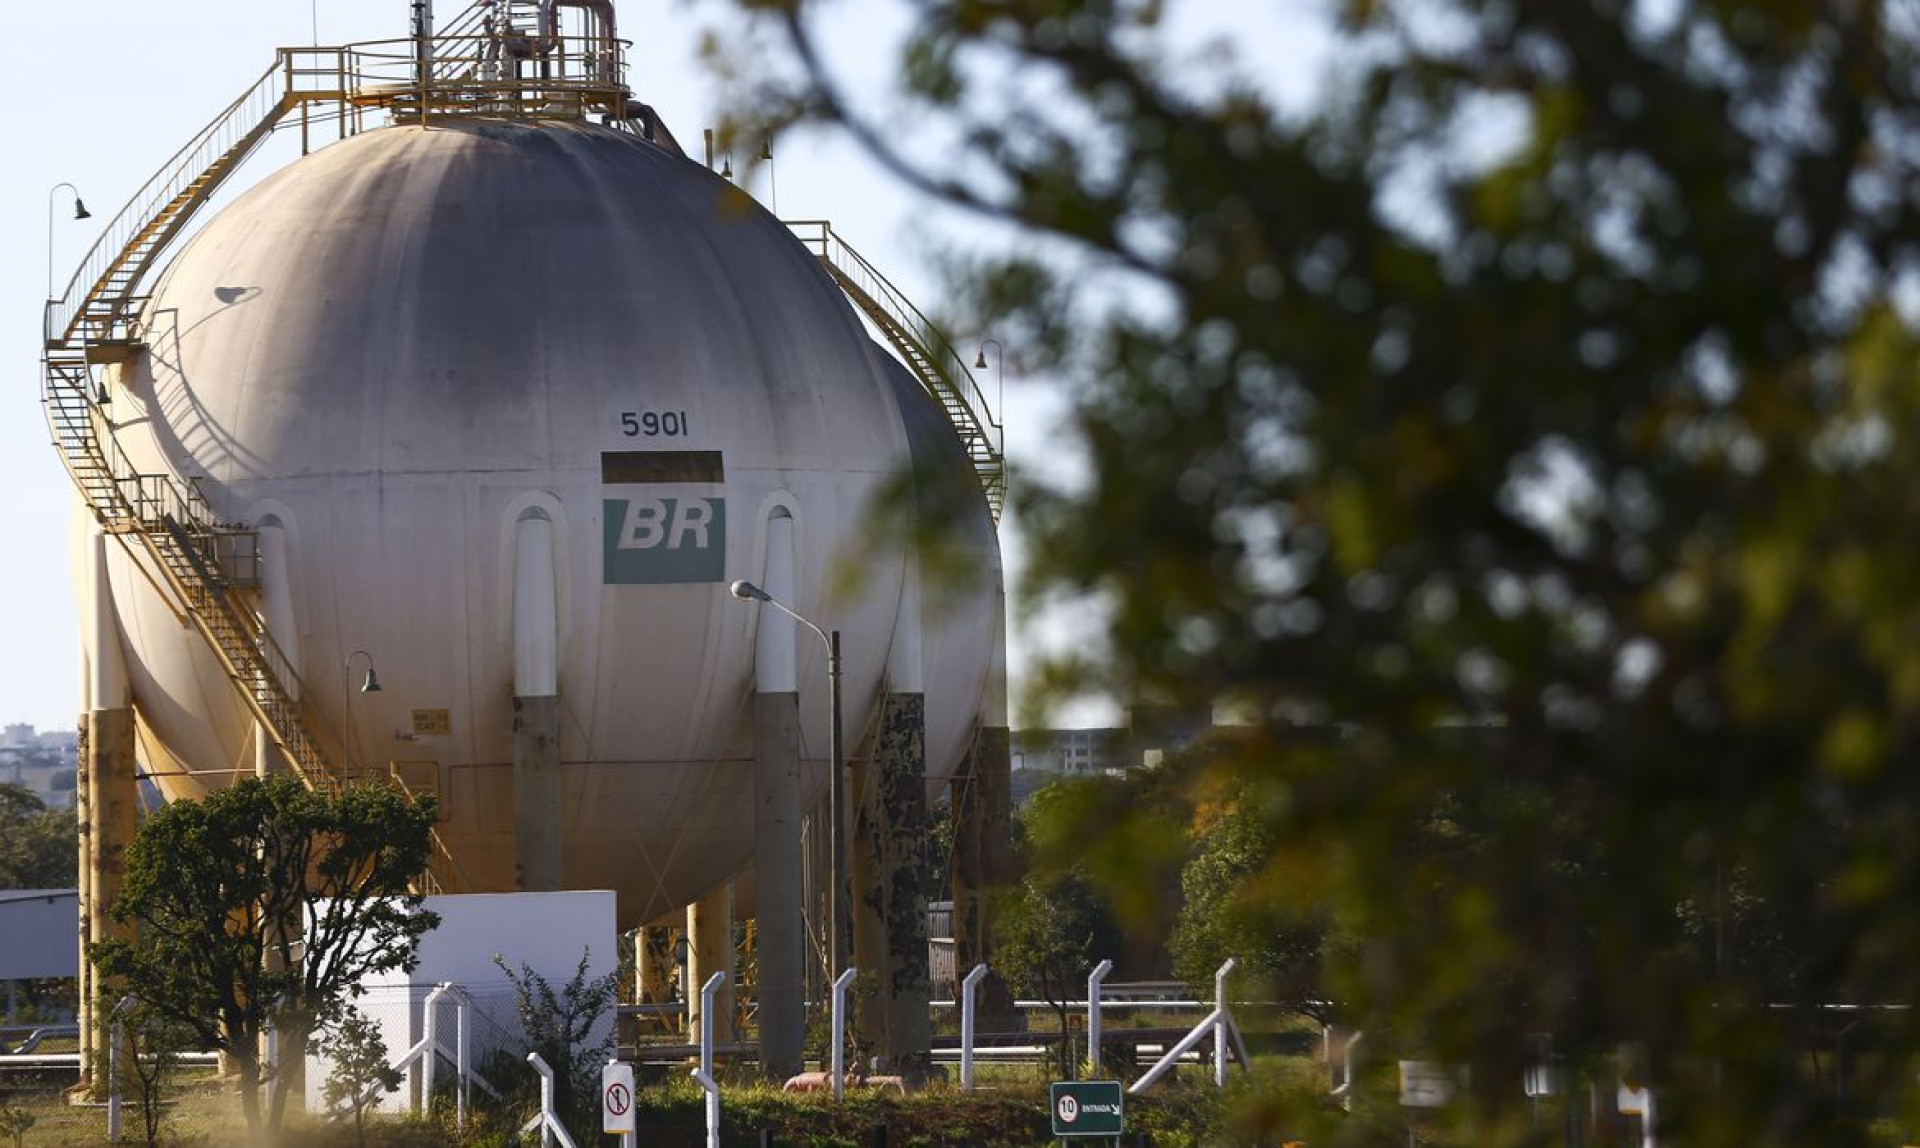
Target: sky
{"points": [[109, 90]]}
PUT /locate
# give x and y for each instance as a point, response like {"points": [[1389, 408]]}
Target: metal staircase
{"points": [[203, 567], [923, 348]]}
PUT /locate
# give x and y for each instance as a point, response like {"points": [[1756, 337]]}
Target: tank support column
{"points": [[890, 855], [891, 877], [781, 952], [710, 951], [983, 840], [82, 808], [536, 708], [112, 793]]}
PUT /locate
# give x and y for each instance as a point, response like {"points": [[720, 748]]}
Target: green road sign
{"points": [[1086, 1108]]}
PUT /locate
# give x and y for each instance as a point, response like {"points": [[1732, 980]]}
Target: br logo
{"points": [[658, 541]]}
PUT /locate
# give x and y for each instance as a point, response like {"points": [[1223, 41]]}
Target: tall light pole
{"points": [[79, 212], [836, 839]]}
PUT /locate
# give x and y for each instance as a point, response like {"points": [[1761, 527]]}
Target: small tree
{"points": [[269, 903], [360, 1061], [14, 1122], [1236, 904], [1052, 930], [149, 1057], [558, 1027]]}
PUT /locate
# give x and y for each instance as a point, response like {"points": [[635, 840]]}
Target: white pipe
{"points": [[109, 686], [776, 660], [550, 1126], [117, 1037], [707, 992], [840, 984], [905, 668], [1187, 1044], [276, 597], [1220, 1010], [1345, 1088], [463, 1063], [1094, 980], [967, 987], [536, 615], [706, 1082], [430, 1029]]}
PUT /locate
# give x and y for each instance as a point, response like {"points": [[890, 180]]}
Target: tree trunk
{"points": [[247, 1060]]}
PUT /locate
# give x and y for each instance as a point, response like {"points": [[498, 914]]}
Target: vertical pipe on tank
{"points": [[776, 815], [276, 610], [536, 707], [111, 784]]}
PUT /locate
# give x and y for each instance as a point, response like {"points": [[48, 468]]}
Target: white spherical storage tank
{"points": [[393, 353]]}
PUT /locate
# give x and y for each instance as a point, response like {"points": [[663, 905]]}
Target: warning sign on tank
{"points": [[659, 541]]}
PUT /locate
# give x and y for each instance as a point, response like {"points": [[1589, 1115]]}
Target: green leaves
{"points": [[268, 903]]}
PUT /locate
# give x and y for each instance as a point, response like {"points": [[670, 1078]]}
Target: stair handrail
{"points": [[952, 368], [263, 101]]}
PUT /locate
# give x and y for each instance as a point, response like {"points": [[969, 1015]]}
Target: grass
{"points": [[1007, 1110]]}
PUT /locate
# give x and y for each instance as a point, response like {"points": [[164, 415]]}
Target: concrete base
{"points": [[983, 861]]}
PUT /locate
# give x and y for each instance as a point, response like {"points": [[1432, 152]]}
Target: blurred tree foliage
{"points": [[1532, 409], [39, 847]]}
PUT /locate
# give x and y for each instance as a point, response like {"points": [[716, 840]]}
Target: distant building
{"points": [[1151, 733], [43, 763], [1071, 752]]}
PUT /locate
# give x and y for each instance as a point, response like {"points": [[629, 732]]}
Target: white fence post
{"points": [[967, 987], [1344, 1090], [115, 1039], [550, 1127], [706, 1082], [839, 1058], [430, 1029], [1220, 1026], [1094, 980]]}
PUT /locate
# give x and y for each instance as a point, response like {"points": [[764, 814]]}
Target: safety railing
{"points": [[924, 347], [142, 226]]}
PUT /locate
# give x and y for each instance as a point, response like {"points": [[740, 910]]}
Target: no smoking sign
{"points": [[616, 1098]]}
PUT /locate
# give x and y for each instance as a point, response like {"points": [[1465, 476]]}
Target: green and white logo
{"points": [[662, 541]]}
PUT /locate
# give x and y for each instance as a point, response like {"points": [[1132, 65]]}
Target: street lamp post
{"points": [[747, 592], [79, 212], [999, 372]]}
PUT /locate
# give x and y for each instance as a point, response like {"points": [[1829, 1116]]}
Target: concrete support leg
{"points": [[983, 860], [112, 809], [653, 964], [709, 951], [891, 844], [82, 808], [777, 868], [536, 794]]}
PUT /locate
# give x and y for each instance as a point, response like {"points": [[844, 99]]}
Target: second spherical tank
{"points": [[392, 352]]}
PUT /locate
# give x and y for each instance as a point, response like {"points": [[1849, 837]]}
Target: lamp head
{"points": [[80, 209], [980, 360], [372, 684], [748, 592]]}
